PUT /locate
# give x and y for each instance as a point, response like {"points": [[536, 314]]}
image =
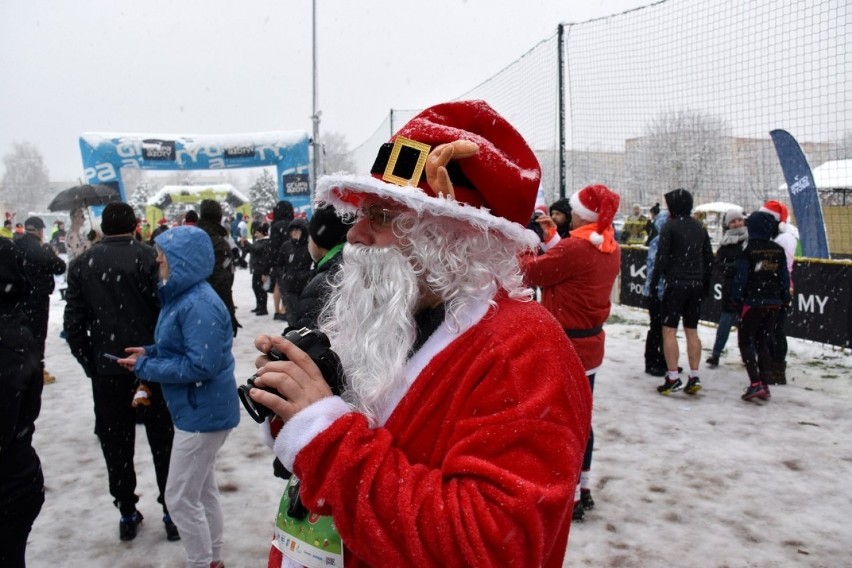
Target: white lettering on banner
{"points": [[101, 172], [158, 151], [800, 185], [640, 272], [807, 303], [261, 151], [190, 153], [296, 187], [132, 163], [635, 288], [717, 291], [212, 151], [128, 148], [216, 163]]}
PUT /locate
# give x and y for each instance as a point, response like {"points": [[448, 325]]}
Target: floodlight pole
{"points": [[315, 117]]}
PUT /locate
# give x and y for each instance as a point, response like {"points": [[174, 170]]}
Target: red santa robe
{"points": [[476, 463], [576, 279]]}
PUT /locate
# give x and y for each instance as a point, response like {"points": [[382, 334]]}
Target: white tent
{"points": [[831, 175]]}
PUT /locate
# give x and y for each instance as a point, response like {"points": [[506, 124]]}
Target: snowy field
{"points": [[705, 481]]}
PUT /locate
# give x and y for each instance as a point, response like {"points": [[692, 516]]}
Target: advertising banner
{"points": [[803, 195], [822, 303], [105, 154]]}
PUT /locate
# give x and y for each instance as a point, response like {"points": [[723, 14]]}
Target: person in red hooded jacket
{"points": [[453, 443]]}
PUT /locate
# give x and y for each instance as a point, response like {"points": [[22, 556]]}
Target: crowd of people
{"points": [[418, 281]]}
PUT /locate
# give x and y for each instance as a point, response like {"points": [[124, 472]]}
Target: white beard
{"points": [[369, 320]]}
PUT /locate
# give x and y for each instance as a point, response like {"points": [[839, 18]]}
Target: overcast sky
{"points": [[219, 66]]}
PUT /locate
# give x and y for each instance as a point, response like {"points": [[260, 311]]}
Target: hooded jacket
{"points": [[295, 260], [761, 277], [316, 292], [685, 257], [191, 356], [733, 243], [282, 214]]}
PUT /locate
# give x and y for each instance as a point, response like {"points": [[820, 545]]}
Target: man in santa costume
{"points": [[460, 432], [576, 275]]}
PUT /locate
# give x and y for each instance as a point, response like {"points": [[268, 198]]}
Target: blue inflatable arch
{"points": [[105, 154]]}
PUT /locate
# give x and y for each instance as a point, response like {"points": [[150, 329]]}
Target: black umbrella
{"points": [[81, 196]]}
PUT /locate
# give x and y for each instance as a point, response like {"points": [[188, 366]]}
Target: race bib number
{"points": [[306, 538]]}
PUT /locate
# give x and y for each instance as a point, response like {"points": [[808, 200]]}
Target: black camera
{"points": [[534, 226], [318, 348]]}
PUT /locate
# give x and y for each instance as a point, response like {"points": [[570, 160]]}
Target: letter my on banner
{"points": [[803, 195]]}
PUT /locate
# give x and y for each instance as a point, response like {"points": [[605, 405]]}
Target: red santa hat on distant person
{"points": [[777, 210], [494, 189], [596, 203]]}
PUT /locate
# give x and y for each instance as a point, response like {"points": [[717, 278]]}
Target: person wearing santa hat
{"points": [[788, 238], [576, 275], [685, 260], [451, 433]]}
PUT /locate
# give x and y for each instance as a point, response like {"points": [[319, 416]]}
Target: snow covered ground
{"points": [[702, 481]]}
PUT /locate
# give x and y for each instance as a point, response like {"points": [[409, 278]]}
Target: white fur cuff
{"points": [[305, 426]]}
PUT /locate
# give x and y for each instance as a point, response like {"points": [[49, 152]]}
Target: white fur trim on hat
{"points": [[583, 211], [335, 187], [596, 238]]}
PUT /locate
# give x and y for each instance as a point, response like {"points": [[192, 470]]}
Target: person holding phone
{"points": [[191, 358], [111, 302]]}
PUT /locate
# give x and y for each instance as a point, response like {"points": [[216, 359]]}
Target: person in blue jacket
{"points": [[192, 359]]}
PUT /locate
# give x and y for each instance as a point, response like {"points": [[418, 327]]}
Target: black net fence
{"points": [[684, 93]]}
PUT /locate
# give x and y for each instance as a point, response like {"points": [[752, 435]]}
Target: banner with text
{"points": [[105, 154], [822, 304]]}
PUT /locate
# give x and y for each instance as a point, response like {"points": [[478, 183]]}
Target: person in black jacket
{"points": [[295, 263], [326, 237], [685, 260], [222, 278], [112, 303], [282, 214], [762, 288], [41, 265], [21, 478], [260, 263], [732, 243]]}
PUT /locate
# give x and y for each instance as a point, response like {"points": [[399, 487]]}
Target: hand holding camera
{"points": [[299, 369]]}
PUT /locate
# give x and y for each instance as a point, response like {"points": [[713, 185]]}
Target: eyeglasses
{"points": [[379, 217]]}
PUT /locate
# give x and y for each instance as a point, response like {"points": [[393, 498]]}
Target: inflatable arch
{"points": [[194, 194], [105, 154]]}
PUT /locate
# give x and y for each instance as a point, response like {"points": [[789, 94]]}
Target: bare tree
{"points": [[336, 154], [26, 180], [685, 149]]}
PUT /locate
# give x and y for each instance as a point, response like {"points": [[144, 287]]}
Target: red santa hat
{"points": [[777, 210], [494, 190], [596, 203]]}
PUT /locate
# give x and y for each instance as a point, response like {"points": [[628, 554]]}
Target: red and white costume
{"points": [[576, 279], [475, 465]]}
